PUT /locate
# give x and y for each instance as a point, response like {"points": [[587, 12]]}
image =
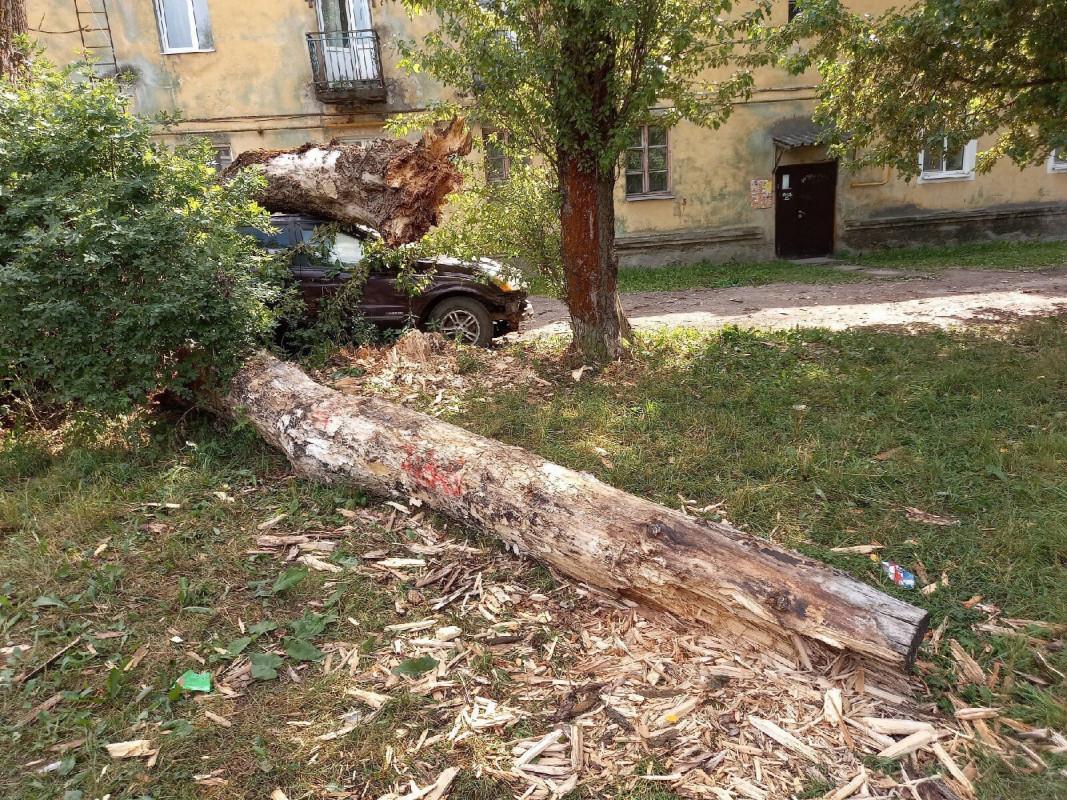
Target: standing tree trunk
{"points": [[586, 109], [590, 265], [12, 24]]}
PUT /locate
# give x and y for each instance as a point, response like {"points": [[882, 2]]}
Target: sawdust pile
{"points": [[547, 688]]}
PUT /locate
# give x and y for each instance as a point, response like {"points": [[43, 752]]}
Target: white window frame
{"points": [[198, 46], [1057, 161], [970, 156], [659, 194]]}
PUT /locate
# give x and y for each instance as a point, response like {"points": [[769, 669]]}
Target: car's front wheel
{"points": [[462, 320]]}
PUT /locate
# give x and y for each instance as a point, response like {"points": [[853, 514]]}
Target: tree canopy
{"points": [[958, 68], [572, 80], [526, 65]]}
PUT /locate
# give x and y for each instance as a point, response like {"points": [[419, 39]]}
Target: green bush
{"points": [[122, 270]]}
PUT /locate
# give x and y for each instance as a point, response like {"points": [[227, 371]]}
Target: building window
{"points": [[944, 160], [793, 10], [184, 26], [223, 157], [497, 160], [647, 164], [1057, 161], [362, 141]]}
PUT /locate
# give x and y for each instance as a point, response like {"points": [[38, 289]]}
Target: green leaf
{"points": [[301, 649], [266, 626], [177, 727], [265, 666], [237, 646], [288, 579], [48, 601], [997, 472], [310, 625], [116, 679], [414, 667], [339, 592]]}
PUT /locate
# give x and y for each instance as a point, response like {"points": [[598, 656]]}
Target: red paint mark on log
{"points": [[445, 478], [321, 418]]}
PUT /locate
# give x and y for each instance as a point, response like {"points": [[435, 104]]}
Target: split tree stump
{"points": [[395, 186]]}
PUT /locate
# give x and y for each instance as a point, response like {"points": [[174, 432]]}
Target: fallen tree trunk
{"points": [[392, 185], [641, 551]]}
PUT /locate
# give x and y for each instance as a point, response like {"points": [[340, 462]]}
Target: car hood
{"points": [[480, 267]]}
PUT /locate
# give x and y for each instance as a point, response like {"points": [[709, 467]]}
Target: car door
{"points": [[383, 302], [309, 271], [284, 237]]}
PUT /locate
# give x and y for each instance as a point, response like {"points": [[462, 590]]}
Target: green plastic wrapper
{"points": [[195, 681]]}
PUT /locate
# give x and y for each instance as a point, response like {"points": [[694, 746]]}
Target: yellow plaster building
{"points": [[279, 73]]}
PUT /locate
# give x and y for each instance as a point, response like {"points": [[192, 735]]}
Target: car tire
{"points": [[463, 320]]}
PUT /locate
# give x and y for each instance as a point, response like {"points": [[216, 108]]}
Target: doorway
{"points": [[349, 50], [804, 203]]}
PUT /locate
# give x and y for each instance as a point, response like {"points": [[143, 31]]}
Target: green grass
{"points": [[1019, 256], [705, 275], [813, 439], [817, 439], [185, 570], [982, 255]]}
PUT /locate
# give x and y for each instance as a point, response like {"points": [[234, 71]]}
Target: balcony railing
{"points": [[346, 66]]}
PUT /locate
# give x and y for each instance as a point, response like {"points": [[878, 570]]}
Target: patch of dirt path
{"points": [[956, 298]]}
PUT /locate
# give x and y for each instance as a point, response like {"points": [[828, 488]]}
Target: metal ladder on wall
{"points": [[94, 26]]}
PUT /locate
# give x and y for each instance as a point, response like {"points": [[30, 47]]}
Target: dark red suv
{"points": [[471, 302]]}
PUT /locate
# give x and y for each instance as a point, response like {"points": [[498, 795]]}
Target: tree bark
{"points": [[12, 24], [590, 264], [710, 573], [392, 185]]}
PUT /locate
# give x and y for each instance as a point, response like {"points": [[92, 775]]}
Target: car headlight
{"points": [[502, 284]]}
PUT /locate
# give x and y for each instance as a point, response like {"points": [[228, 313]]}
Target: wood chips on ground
{"points": [[548, 689], [428, 370]]}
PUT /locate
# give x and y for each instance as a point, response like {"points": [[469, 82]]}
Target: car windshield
{"points": [[347, 249], [277, 239]]}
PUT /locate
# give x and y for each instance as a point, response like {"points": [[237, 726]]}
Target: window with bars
{"points": [[223, 157], [647, 162], [946, 158], [497, 161], [184, 26]]}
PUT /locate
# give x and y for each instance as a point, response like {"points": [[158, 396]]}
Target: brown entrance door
{"points": [[804, 210]]}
